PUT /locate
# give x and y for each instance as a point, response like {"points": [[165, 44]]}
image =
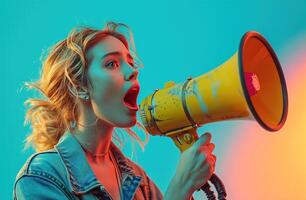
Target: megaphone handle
{"points": [[183, 141]]}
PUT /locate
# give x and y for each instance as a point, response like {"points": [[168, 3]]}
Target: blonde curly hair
{"points": [[64, 72]]}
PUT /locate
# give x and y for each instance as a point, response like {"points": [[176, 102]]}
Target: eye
{"points": [[112, 64]]}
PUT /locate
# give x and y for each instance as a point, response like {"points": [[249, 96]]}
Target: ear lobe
{"points": [[84, 96], [83, 93]]}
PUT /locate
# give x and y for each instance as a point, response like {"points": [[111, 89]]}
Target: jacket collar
{"points": [[81, 177]]}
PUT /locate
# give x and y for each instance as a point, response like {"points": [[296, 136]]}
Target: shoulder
{"points": [[46, 161], [43, 171]]}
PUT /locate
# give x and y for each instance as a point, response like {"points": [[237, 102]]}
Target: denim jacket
{"points": [[64, 173]]}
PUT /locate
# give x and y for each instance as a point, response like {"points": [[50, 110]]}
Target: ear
{"points": [[83, 93]]}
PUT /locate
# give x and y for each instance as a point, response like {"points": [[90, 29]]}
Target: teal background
{"points": [[175, 39]]}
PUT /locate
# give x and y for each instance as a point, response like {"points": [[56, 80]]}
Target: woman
{"points": [[89, 81]]}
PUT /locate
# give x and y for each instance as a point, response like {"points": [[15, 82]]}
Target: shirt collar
{"points": [[81, 177]]}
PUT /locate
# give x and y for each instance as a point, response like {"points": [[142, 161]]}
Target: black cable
{"points": [[216, 181], [219, 186], [209, 194]]}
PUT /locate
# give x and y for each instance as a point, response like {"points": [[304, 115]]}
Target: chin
{"points": [[126, 124]]}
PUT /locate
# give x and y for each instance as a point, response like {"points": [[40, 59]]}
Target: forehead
{"points": [[106, 45]]}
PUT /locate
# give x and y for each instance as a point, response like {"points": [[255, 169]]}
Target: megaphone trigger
{"points": [[185, 139]]}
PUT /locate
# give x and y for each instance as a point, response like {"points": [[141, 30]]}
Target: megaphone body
{"points": [[250, 85]]}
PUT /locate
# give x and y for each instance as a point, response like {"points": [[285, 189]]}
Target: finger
{"points": [[211, 146], [203, 139], [211, 161], [207, 149], [208, 168], [211, 158], [214, 157]]}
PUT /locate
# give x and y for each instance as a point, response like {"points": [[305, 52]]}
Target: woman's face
{"points": [[112, 75]]}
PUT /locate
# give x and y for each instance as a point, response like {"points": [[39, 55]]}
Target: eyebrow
{"points": [[117, 53]]}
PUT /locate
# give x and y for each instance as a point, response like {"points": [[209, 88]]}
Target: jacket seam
{"points": [[47, 177], [33, 156], [148, 187], [68, 174]]}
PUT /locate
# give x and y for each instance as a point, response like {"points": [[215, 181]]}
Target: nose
{"points": [[131, 74]]}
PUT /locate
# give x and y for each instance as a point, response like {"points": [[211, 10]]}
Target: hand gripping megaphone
{"points": [[250, 85]]}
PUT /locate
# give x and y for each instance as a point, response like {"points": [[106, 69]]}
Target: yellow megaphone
{"points": [[250, 85]]}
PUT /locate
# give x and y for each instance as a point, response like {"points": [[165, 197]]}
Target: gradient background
{"points": [[175, 39]]}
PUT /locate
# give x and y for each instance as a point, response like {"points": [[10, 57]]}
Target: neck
{"points": [[95, 138]]}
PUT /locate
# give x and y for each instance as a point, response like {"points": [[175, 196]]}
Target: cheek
{"points": [[107, 88]]}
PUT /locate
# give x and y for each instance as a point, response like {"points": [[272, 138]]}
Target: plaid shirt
{"points": [[64, 173]]}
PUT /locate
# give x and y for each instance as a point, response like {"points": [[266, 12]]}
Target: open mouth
{"points": [[130, 98]]}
